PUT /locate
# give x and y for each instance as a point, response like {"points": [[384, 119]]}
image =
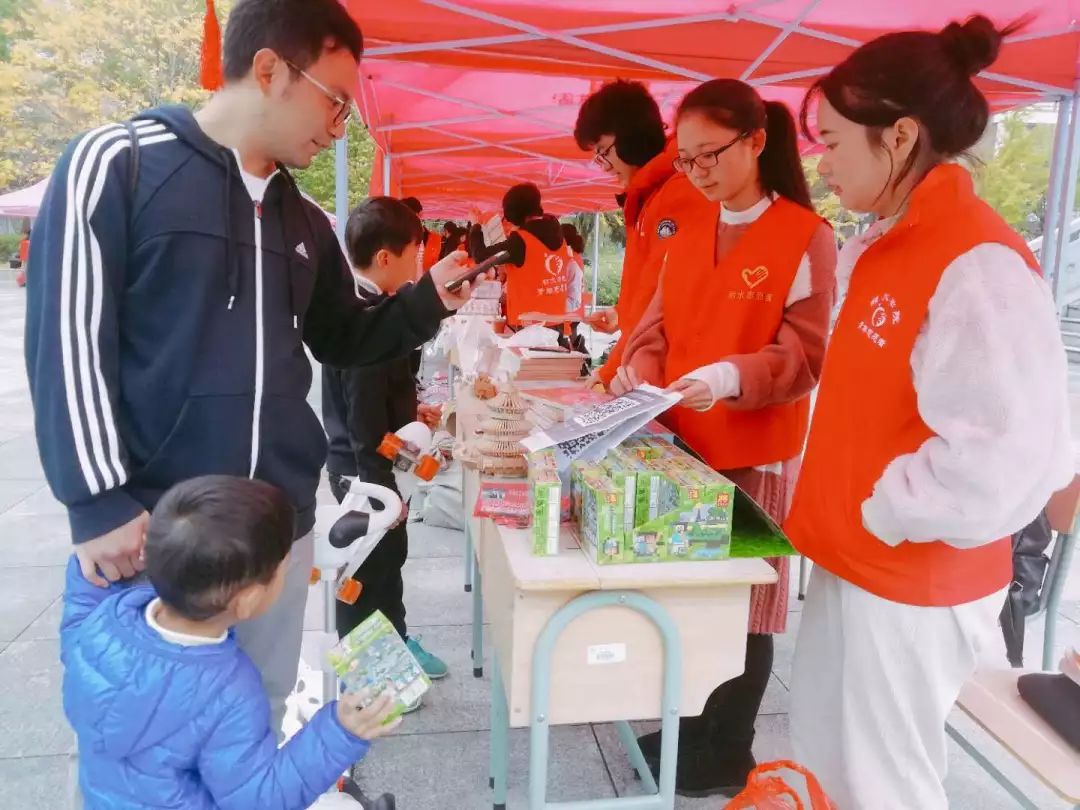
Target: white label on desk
{"points": [[606, 654]]}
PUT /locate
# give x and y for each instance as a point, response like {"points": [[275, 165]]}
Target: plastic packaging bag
{"points": [[782, 785]]}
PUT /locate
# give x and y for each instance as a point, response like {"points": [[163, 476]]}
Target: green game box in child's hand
{"points": [[374, 657]]}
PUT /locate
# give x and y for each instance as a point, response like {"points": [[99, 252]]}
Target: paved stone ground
{"points": [[439, 758]]}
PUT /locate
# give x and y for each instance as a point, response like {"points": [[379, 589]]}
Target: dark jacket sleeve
{"points": [[379, 400], [479, 251], [343, 331], [340, 458], [73, 340]]}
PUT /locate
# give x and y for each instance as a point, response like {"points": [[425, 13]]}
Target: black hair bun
{"points": [[973, 46]]}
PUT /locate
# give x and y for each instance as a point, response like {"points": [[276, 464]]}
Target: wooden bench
{"points": [[991, 698]]}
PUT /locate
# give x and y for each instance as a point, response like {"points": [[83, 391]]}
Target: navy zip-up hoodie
{"points": [[166, 323]]}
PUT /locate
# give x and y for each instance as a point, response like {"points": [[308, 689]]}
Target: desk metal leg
{"points": [[1062, 562], [500, 732], [669, 706], [470, 554], [329, 677], [477, 620], [637, 758]]}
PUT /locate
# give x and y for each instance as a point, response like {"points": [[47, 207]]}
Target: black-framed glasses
{"points": [[601, 158], [343, 107], [706, 160]]}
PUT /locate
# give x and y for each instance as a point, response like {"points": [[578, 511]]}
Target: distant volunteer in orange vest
{"points": [[738, 325], [538, 274], [941, 425], [431, 248], [622, 124]]}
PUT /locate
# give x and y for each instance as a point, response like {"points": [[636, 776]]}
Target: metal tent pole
{"points": [[1054, 191], [341, 183], [1065, 214], [595, 260], [386, 164]]}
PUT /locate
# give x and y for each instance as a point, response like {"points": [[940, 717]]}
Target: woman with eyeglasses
{"points": [[621, 124], [738, 326]]}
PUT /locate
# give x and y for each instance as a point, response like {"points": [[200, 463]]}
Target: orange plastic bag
{"points": [[767, 788]]}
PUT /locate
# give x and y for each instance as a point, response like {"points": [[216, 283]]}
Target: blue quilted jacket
{"points": [[165, 726]]}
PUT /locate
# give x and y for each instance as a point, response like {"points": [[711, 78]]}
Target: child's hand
{"points": [[367, 723], [430, 415]]}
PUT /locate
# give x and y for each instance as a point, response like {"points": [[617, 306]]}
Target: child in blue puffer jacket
{"points": [[168, 711]]}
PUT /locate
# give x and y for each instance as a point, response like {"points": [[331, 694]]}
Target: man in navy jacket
{"points": [[174, 286]]}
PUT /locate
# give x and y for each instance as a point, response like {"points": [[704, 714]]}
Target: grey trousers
{"points": [[272, 641]]}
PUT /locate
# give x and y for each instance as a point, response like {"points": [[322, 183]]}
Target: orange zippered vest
{"points": [[714, 310], [539, 285], [660, 204], [432, 248], [867, 411]]}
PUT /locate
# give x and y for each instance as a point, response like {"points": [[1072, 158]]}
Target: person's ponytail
{"points": [[780, 163]]}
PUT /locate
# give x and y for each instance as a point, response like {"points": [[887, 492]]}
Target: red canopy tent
{"points": [[465, 98]]}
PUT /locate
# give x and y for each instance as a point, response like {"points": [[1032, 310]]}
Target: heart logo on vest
{"points": [[755, 276], [553, 264]]}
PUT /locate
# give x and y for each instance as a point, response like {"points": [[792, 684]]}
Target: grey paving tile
{"points": [[8, 433], [24, 595], [31, 713], [433, 592], [46, 626], [434, 541], [19, 459], [15, 491], [48, 783], [41, 502], [34, 540], [784, 649], [433, 771]]}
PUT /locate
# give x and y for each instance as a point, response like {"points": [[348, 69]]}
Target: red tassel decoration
{"points": [[210, 74]]}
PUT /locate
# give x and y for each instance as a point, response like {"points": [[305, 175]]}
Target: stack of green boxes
{"points": [[546, 489], [669, 506]]}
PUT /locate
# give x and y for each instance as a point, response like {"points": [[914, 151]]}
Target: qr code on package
{"points": [[572, 448], [600, 413]]}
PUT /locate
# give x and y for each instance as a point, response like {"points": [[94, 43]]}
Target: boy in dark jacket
{"points": [[169, 712], [362, 405]]}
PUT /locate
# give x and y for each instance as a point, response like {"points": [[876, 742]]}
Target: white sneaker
{"points": [[335, 800]]}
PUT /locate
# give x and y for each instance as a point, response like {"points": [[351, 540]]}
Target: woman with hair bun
{"points": [[941, 425]]}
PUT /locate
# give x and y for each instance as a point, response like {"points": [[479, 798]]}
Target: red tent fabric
{"points": [[24, 202], [469, 96]]}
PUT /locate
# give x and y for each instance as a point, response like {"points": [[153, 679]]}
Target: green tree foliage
{"points": [[67, 66], [317, 179], [1015, 179]]}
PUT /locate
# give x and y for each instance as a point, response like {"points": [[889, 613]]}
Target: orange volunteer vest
{"points": [[539, 285], [714, 310], [432, 246], [660, 204], [867, 414]]}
